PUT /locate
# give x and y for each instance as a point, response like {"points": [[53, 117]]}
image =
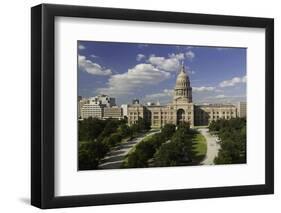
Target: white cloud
{"points": [[163, 97], [167, 64], [203, 89], [233, 81], [156, 96], [136, 78], [172, 62], [140, 57], [91, 67], [155, 70], [179, 56], [94, 56], [189, 55], [81, 47], [220, 96]]}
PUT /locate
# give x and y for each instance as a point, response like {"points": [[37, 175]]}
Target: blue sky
{"points": [[148, 71]]}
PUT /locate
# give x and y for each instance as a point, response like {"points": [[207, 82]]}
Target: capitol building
{"points": [[180, 109]]}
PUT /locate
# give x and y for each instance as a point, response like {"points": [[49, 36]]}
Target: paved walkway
{"points": [[212, 147], [115, 158]]}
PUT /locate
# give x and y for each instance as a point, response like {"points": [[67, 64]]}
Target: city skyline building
{"points": [[242, 109], [94, 106]]}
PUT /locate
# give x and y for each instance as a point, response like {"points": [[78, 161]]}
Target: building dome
{"points": [[182, 89], [182, 79]]}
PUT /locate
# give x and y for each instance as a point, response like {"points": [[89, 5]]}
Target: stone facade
{"points": [[181, 109], [137, 111], [204, 114], [113, 112]]}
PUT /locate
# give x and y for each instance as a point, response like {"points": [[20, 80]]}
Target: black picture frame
{"points": [[43, 102]]}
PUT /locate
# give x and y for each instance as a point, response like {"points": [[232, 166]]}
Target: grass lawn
{"points": [[199, 147]]}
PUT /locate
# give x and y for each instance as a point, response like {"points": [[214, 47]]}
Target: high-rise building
{"points": [[93, 110], [242, 109], [81, 102], [124, 110], [94, 106]]}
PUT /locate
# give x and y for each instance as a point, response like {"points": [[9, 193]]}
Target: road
{"points": [[212, 147], [115, 158]]}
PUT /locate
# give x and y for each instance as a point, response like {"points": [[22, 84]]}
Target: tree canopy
{"points": [[170, 147], [178, 150], [97, 137], [232, 134]]}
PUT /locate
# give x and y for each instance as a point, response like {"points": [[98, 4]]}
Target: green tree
{"points": [[90, 153], [86, 160], [178, 151], [90, 128], [110, 127], [233, 140], [139, 158], [144, 151], [170, 154], [167, 148], [168, 130], [143, 124], [184, 125], [134, 128], [124, 130], [96, 138]]}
